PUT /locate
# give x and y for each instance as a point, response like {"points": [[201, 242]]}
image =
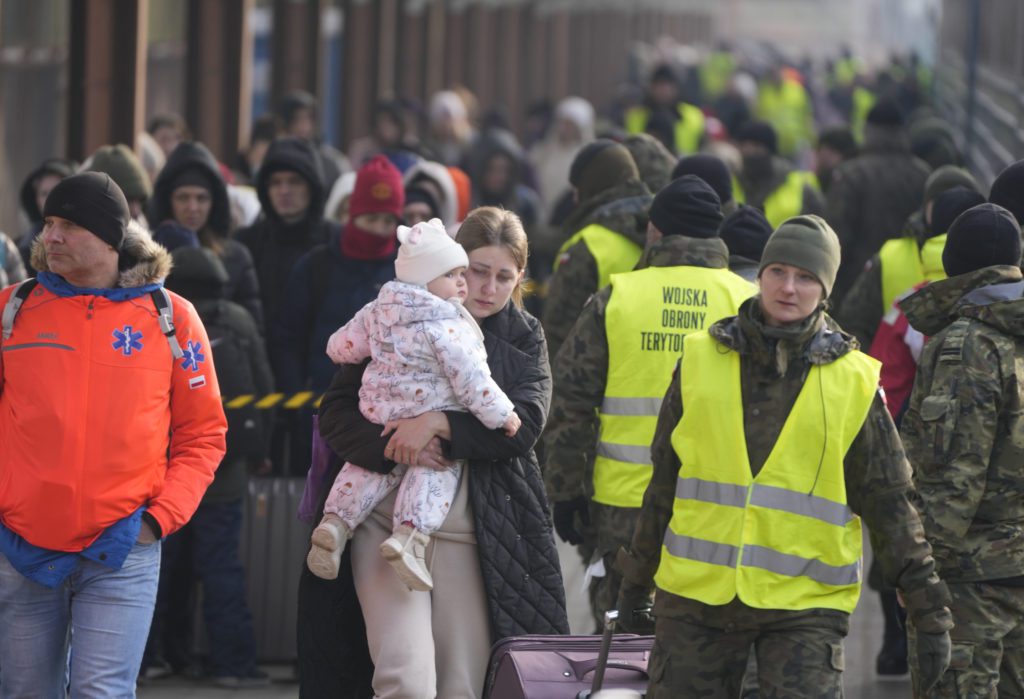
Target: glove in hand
{"points": [[634, 607], [565, 519], [933, 654]]}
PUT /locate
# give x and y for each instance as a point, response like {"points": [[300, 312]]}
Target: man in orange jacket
{"points": [[111, 427]]}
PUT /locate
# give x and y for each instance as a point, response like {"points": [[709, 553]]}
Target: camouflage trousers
{"points": [[988, 644], [702, 651], [613, 529]]}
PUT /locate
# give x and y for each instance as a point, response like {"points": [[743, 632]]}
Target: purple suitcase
{"points": [[568, 667]]}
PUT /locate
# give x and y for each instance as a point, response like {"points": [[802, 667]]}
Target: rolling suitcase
{"points": [[274, 547], [568, 667]]}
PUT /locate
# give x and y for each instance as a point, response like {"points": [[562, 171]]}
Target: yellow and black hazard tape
{"points": [[288, 401]]}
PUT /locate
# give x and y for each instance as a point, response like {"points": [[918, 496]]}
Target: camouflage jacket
{"points": [[774, 363], [621, 209], [861, 310], [580, 371], [964, 428]]}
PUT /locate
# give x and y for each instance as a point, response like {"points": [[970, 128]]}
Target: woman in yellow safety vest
{"points": [[751, 526]]}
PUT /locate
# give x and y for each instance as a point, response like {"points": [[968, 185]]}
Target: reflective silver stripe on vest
{"points": [[819, 508], [631, 407], [709, 491], [700, 550], [794, 566], [629, 453]]}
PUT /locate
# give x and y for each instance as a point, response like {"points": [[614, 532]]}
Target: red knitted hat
{"points": [[378, 189]]}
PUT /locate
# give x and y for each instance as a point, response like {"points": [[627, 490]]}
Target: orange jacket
{"points": [[98, 419]]}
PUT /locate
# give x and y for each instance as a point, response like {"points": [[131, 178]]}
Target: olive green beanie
{"points": [[125, 169], [599, 166], [807, 242]]}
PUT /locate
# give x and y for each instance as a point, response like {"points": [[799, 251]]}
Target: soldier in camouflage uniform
{"points": [[609, 194], [701, 649], [964, 434], [862, 308], [682, 234]]}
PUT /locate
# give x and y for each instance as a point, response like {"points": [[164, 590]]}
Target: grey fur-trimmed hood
{"points": [[143, 261]]}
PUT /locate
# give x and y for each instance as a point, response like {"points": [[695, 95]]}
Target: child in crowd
{"points": [[427, 354]]}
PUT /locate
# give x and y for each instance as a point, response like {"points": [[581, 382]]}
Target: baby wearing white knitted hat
{"points": [[429, 257]]}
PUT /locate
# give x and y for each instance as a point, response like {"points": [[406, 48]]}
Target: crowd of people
{"points": [[704, 336]]}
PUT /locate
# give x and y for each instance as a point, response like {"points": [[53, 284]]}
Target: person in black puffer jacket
{"points": [[496, 574]]}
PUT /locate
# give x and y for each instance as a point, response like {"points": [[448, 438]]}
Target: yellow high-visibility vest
{"points": [[905, 265], [613, 252], [787, 538], [787, 107], [786, 201], [715, 72], [688, 131], [648, 314]]}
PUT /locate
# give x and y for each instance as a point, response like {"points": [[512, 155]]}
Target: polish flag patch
{"points": [[197, 382]]}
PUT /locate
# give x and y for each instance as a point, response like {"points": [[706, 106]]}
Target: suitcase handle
{"points": [[584, 667]]}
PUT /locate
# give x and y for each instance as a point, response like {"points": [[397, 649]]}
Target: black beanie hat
{"points": [[93, 201], [745, 232], [759, 132], [1008, 190], [709, 168], [886, 113], [422, 195], [687, 206], [982, 236], [947, 177], [950, 204]]}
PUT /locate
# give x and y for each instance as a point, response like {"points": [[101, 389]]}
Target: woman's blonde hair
{"points": [[489, 225]]}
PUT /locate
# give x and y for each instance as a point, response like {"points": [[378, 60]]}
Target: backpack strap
{"points": [[17, 298], [162, 301]]}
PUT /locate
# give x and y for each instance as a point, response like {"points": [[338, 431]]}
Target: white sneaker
{"points": [[405, 551], [328, 539]]}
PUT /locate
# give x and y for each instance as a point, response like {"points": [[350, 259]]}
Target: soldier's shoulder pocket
{"points": [[938, 418]]}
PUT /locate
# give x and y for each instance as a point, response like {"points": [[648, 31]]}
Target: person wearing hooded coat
{"points": [[496, 168], [279, 238], [34, 189], [439, 185], [192, 165]]}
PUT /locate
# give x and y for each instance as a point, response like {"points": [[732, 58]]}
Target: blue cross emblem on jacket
{"points": [[127, 340], [193, 355]]}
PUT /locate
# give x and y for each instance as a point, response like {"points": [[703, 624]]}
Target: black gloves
{"points": [[565, 519], [928, 609], [933, 655], [634, 607]]}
